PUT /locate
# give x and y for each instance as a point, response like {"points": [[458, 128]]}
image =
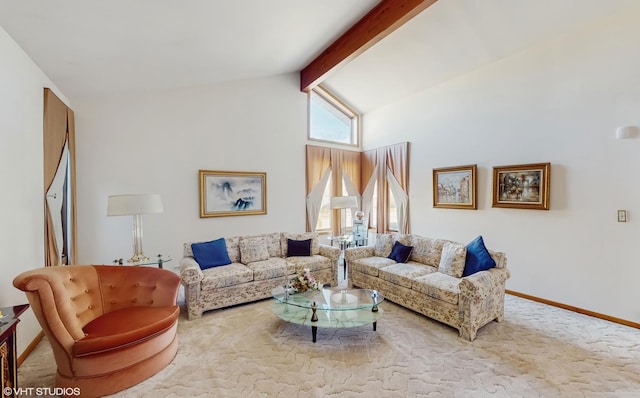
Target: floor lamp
{"points": [[342, 203], [135, 205]]}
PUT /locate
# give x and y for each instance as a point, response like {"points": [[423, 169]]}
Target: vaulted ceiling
{"points": [[94, 48]]}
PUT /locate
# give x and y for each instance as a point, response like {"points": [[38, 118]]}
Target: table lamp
{"points": [[135, 205], [342, 203]]}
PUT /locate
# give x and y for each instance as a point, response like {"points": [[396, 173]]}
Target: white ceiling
{"points": [[97, 47], [100, 47], [453, 37]]}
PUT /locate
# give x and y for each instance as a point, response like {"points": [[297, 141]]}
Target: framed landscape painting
{"points": [[232, 193], [455, 187], [523, 186]]}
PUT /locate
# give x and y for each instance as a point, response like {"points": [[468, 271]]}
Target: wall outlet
{"points": [[622, 216]]}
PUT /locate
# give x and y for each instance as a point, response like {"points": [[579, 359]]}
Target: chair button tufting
{"points": [[86, 290], [137, 284], [113, 301], [90, 307], [135, 300]]}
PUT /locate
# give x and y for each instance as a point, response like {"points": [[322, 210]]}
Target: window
{"points": [[392, 212], [331, 120], [373, 217], [324, 217]]}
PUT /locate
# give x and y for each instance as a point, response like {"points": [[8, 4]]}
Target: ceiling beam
{"points": [[384, 18]]}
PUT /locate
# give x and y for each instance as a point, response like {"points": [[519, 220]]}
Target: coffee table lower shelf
{"points": [[331, 319]]}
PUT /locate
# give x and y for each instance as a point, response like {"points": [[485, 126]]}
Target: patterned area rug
{"points": [[245, 351]]}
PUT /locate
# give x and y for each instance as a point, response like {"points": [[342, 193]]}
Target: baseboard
{"points": [[575, 309], [30, 348]]}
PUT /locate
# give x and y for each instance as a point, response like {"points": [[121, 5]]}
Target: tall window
{"points": [[392, 212], [324, 217], [373, 217], [331, 120]]}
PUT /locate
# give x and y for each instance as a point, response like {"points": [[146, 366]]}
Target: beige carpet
{"points": [[245, 351]]}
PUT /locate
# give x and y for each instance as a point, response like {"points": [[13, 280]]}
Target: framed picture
{"points": [[232, 193], [455, 187], [523, 186]]}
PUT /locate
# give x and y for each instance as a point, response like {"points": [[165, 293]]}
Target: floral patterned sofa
{"points": [[430, 280], [256, 264]]}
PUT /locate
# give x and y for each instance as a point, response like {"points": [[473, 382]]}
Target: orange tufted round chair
{"points": [[110, 327]]}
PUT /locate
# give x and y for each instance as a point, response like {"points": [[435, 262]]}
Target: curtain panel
{"points": [[58, 134], [324, 163], [379, 166], [386, 169]]}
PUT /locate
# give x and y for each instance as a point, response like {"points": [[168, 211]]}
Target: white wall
{"points": [[558, 102], [21, 165], [156, 143]]}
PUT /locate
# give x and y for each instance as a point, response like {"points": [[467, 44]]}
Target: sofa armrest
{"points": [[484, 283], [190, 271], [332, 253], [354, 253]]}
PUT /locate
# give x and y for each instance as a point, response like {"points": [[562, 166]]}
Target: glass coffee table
{"points": [[328, 307]]}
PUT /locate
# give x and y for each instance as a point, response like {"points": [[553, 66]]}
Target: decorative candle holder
{"points": [[314, 316]]}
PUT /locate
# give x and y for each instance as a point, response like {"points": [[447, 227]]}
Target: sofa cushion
{"points": [[273, 244], [298, 247], [426, 250], [384, 244], [315, 246], [227, 275], [400, 253], [499, 257], [312, 263], [452, 259], [125, 327], [403, 274], [370, 265], [211, 254], [274, 267], [478, 257], [233, 248], [405, 239], [253, 249], [438, 285]]}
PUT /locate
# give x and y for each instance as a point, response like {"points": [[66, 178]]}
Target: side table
{"points": [[160, 260], [8, 351]]}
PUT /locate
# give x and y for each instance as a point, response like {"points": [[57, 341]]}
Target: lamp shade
{"points": [[624, 132], [124, 205], [344, 202]]}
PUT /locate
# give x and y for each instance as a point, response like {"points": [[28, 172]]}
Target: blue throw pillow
{"points": [[400, 253], [298, 247], [211, 254], [478, 257]]}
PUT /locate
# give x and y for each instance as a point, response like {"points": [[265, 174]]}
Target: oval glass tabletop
{"points": [[330, 299], [328, 308]]}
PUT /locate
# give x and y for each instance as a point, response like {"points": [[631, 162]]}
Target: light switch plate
{"points": [[622, 216]]}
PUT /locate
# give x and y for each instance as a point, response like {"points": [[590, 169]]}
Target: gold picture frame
{"points": [[232, 193], [455, 187], [524, 186]]}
